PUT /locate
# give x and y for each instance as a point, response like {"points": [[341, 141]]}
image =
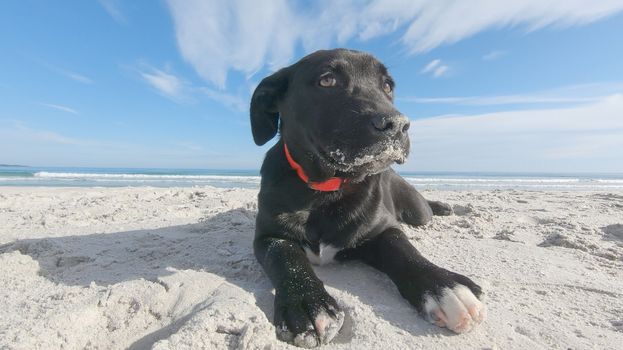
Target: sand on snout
{"points": [[173, 268]]}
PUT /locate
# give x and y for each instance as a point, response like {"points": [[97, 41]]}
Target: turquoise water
{"points": [[123, 177], [133, 177]]}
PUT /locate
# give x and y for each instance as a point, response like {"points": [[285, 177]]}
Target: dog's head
{"points": [[337, 114]]}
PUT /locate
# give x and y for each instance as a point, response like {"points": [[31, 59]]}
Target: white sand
{"points": [[139, 268]]}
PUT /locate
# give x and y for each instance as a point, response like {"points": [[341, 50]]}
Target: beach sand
{"points": [[173, 268]]}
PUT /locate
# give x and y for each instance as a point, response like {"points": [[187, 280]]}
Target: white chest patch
{"points": [[325, 255]]}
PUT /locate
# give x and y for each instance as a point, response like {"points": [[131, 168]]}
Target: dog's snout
{"points": [[382, 124], [391, 125], [406, 125]]}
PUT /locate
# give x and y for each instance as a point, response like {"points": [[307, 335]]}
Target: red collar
{"points": [[330, 185]]}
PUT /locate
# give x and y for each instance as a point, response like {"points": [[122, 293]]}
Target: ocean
{"points": [[123, 177]]}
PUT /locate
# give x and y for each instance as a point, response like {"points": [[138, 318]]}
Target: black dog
{"points": [[328, 192]]}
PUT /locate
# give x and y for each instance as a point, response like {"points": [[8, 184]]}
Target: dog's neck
{"points": [[330, 185]]}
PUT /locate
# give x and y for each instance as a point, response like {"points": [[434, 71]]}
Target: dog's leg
{"points": [[444, 298], [305, 314], [440, 208], [412, 207]]}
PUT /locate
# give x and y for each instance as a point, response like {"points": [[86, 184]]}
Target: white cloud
{"points": [[165, 83], [18, 131], [243, 35], [585, 138], [494, 55], [500, 100], [435, 68], [22, 144], [79, 78], [60, 108], [573, 94], [430, 66], [179, 90], [215, 36], [440, 71], [234, 102], [66, 72], [50, 136], [112, 7], [444, 22]]}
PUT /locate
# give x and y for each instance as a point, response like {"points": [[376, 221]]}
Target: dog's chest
{"points": [[318, 249], [326, 254]]}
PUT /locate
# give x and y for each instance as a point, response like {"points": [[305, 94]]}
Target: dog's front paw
{"points": [[307, 320], [450, 300], [456, 308], [440, 208]]}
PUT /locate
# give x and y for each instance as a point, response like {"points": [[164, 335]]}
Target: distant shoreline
{"points": [[13, 166], [137, 177]]}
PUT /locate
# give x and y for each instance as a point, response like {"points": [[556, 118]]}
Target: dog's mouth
{"points": [[368, 160]]}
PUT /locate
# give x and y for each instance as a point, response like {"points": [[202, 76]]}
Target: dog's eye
{"points": [[327, 80], [387, 87]]}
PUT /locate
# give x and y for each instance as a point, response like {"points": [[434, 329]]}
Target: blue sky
{"points": [[529, 86]]}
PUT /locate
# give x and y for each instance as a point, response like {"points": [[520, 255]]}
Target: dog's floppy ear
{"points": [[264, 111]]}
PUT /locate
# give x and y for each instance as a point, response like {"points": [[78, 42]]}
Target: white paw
{"points": [[322, 331], [458, 309], [327, 327]]}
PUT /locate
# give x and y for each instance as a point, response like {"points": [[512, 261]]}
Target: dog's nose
{"points": [[391, 125]]}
